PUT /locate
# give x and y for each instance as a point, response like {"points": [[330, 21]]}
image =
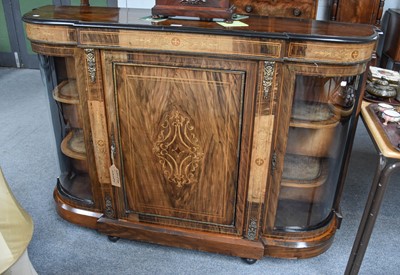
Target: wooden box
{"points": [[277, 8], [204, 9]]}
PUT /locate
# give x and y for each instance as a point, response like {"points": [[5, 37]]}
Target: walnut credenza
{"points": [[189, 134]]}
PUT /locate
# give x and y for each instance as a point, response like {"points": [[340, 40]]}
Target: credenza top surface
{"points": [[258, 26]]}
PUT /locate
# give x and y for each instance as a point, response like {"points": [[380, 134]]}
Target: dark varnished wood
{"points": [[216, 100], [78, 214], [280, 8], [285, 28], [314, 242], [204, 10], [357, 11], [85, 3], [281, 146], [391, 44], [215, 136], [211, 242]]}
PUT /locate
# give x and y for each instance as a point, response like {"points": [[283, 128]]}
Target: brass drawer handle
{"points": [[296, 12], [248, 8]]}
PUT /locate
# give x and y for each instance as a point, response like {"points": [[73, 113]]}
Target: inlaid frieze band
{"points": [[331, 52], [177, 42]]}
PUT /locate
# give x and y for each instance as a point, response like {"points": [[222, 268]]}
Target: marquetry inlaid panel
{"points": [[179, 134], [100, 141], [51, 34], [330, 52], [181, 42]]}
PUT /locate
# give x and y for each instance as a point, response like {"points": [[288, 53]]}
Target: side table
{"points": [[385, 141]]}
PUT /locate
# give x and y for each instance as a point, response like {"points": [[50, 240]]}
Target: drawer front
{"points": [[283, 8]]}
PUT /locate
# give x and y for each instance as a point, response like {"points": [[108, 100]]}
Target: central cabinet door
{"points": [[179, 122]]}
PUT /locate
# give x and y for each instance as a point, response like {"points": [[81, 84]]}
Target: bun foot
{"points": [[249, 261], [113, 239]]}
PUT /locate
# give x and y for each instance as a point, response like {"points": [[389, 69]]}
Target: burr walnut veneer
{"points": [[232, 140]]}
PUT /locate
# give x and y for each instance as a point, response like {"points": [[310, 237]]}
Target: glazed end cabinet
{"points": [[189, 134]]}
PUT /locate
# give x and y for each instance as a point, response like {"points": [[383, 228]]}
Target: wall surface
{"points": [[322, 13]]}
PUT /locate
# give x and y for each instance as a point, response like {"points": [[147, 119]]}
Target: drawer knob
{"points": [[248, 8], [296, 12]]}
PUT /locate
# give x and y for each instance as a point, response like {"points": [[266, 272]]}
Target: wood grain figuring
{"points": [[330, 52], [76, 215], [73, 145], [199, 115], [198, 8], [315, 142], [283, 120], [358, 11], [83, 110], [260, 159], [52, 50], [171, 148], [278, 8], [100, 140], [177, 42], [66, 92], [51, 34], [258, 27], [201, 63], [302, 244], [116, 195], [190, 3], [211, 242]]}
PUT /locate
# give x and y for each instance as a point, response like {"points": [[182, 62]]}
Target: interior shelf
{"points": [[66, 92], [76, 186], [73, 145], [304, 171], [314, 115]]}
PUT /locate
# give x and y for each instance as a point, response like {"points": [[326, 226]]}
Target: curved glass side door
{"points": [[65, 106], [321, 118]]}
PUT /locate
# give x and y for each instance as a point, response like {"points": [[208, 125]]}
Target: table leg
{"points": [[370, 214]]}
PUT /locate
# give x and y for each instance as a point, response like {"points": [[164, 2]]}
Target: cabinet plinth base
{"points": [[310, 244], [73, 214], [210, 242], [307, 245]]}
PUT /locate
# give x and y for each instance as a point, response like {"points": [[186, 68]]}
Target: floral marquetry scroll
{"points": [[178, 150]]}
